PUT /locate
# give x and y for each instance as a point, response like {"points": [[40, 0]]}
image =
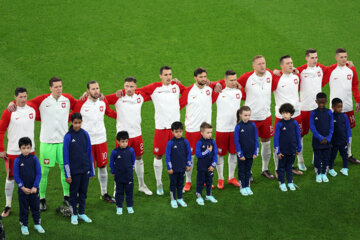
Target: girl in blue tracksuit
{"points": [[247, 147], [122, 161], [206, 152], [287, 143], [27, 174], [340, 138], [78, 165], [178, 159], [322, 127]]}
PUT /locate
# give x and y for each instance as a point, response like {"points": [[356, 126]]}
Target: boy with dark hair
{"points": [[206, 152], [122, 161], [27, 174], [340, 138], [78, 165], [178, 159], [322, 127], [287, 143]]}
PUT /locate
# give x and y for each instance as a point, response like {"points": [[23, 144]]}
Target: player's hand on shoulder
{"points": [[84, 96], [238, 85], [218, 88], [276, 72], [102, 97], [350, 64], [11, 107], [119, 93], [295, 71], [175, 80]]}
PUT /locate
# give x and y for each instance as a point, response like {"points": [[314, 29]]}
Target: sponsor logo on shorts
{"points": [[31, 115], [101, 108], [349, 77], [220, 150], [156, 149], [47, 161], [141, 146], [192, 149], [63, 105]]}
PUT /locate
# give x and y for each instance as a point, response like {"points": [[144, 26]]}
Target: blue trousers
{"points": [[26, 201], [321, 160], [78, 191], [285, 166], [176, 185], [343, 153], [204, 177], [122, 189], [244, 172]]}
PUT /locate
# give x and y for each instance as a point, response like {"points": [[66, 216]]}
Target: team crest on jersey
{"points": [[31, 115], [296, 81], [138, 100], [63, 105], [174, 90], [46, 161], [101, 108], [238, 96], [319, 74], [349, 77], [268, 80], [207, 92]]}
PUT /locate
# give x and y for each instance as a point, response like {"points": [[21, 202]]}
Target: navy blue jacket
{"points": [[204, 156], [122, 161], [342, 130], [246, 139], [77, 153], [178, 154], [27, 171], [322, 126], [287, 138]]}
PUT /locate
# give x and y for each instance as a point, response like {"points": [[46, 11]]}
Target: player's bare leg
{"points": [[139, 169]]}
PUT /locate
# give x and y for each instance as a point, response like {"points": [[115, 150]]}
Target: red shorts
{"points": [[161, 138], [265, 128], [351, 118], [225, 143], [100, 154], [298, 119], [193, 138], [9, 163], [305, 118], [137, 144]]}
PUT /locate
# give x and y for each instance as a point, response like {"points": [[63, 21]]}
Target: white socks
{"points": [[103, 179], [9, 189], [139, 169], [232, 161], [276, 160], [349, 147], [158, 167], [188, 174], [114, 189], [220, 167], [265, 155], [300, 157]]}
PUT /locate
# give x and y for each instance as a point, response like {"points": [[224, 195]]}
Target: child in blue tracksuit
{"points": [[206, 152], [178, 159], [247, 147], [122, 161], [287, 143], [322, 127], [27, 174], [340, 139], [78, 165]]}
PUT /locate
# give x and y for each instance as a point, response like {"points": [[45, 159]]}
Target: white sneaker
{"points": [[145, 190]]}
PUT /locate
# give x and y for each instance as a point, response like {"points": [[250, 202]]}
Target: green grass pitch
{"points": [[109, 40]]}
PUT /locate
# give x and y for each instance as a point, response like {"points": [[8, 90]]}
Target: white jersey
{"points": [[166, 102], [198, 104], [128, 109], [93, 118], [258, 94], [54, 114], [310, 85], [18, 124], [227, 103], [286, 91]]}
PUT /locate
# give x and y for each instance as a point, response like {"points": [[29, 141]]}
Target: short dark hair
{"points": [[91, 82], [54, 79], [340, 50], [176, 125], [310, 50], [199, 71], [25, 141], [240, 111], [257, 57], [335, 102], [287, 108], [76, 116], [321, 95], [20, 90], [284, 57], [204, 126], [164, 68], [130, 79], [230, 73], [122, 135]]}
